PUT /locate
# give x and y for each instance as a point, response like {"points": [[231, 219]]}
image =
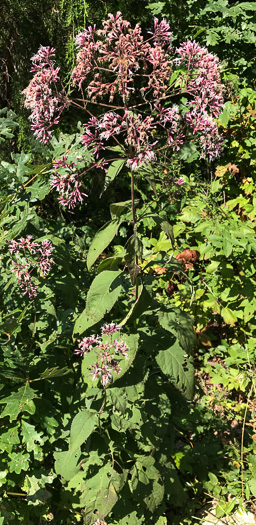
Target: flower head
{"points": [[107, 350], [67, 184], [30, 255], [43, 96]]}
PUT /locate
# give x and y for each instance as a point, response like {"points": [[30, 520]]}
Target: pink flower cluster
{"points": [[203, 83], [116, 62], [43, 96], [119, 53], [30, 255], [136, 131], [107, 351], [179, 182], [122, 54], [203, 125], [202, 78], [66, 182]]}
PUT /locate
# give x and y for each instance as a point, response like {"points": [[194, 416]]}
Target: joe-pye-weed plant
{"points": [[90, 394]]}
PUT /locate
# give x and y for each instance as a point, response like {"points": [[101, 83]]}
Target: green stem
{"points": [[134, 229]]}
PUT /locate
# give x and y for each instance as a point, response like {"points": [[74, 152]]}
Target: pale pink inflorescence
{"points": [[179, 182], [30, 255], [44, 97], [107, 350], [109, 62], [207, 98], [117, 64], [66, 182]]}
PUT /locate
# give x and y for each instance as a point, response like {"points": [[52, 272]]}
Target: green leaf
{"points": [[139, 306], [99, 494], [117, 208], [248, 6], [117, 398], [38, 190], [156, 7], [125, 363], [211, 268], [175, 364], [252, 485], [112, 173], [30, 437], [66, 464], [180, 324], [229, 111], [229, 316], [191, 213], [115, 148], [168, 230], [174, 77], [156, 497], [198, 32], [101, 297], [36, 493], [49, 373], [18, 462], [145, 483], [21, 401], [81, 428], [134, 250], [101, 240], [9, 439], [188, 152]]}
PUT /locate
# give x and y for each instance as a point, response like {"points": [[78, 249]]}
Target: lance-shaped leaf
{"points": [[49, 373], [81, 428], [101, 240], [102, 295], [66, 463], [168, 230], [112, 173], [134, 250], [139, 306], [117, 209]]}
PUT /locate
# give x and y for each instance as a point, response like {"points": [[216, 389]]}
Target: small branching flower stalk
{"points": [[109, 351], [66, 182], [30, 255]]}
